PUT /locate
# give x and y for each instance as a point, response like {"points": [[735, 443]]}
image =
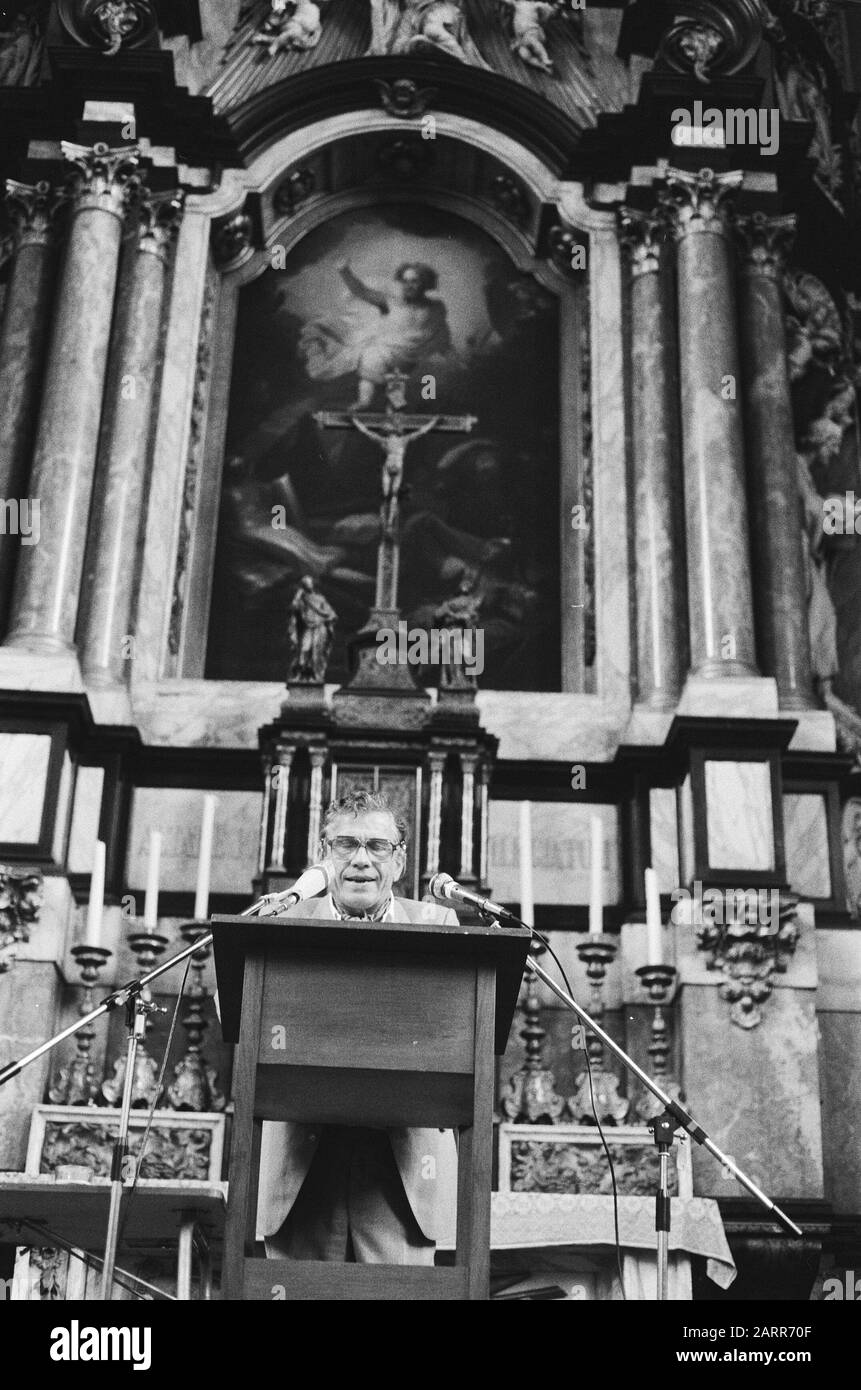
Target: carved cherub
{"points": [[527, 19], [292, 24]]}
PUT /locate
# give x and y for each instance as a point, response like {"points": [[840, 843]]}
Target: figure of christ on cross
{"points": [[393, 431]]}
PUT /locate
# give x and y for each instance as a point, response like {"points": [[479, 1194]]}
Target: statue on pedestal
{"points": [[460, 614], [312, 631]]}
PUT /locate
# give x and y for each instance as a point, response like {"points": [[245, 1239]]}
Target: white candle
{"points": [[527, 900], [654, 926], [596, 883], [97, 897], [204, 863], [151, 900]]}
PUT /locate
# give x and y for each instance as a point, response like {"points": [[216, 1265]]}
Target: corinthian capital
{"points": [[101, 175], [696, 201], [31, 208], [158, 218], [644, 236], [763, 243]]}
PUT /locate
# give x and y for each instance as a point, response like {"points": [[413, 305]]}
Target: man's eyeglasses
{"points": [[345, 846]]}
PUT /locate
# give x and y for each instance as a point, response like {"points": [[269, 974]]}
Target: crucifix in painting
{"points": [[393, 430]]}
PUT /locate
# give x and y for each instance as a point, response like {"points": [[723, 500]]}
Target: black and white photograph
{"points": [[430, 669]]}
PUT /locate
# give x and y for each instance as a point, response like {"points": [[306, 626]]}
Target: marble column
{"points": [[781, 590], [468, 763], [315, 814], [264, 815], [281, 776], [436, 763], [45, 602], [658, 524], [22, 347], [114, 535], [720, 598]]}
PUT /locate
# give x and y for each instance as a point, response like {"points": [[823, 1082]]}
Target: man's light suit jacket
{"points": [[287, 1148]]}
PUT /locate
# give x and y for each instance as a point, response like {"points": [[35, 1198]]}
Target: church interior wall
{"points": [[740, 771]]}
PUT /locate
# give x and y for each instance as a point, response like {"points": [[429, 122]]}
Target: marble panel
{"points": [[64, 807], [816, 732], [24, 764], [840, 1079], [20, 670], [177, 812], [561, 841], [756, 1092], [737, 697], [664, 828], [805, 834], [739, 815], [28, 1006], [838, 955], [686, 832], [89, 785]]}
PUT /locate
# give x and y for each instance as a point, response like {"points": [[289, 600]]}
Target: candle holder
{"points": [[660, 981], [148, 946], [531, 1094], [194, 1086], [75, 1082], [597, 954]]}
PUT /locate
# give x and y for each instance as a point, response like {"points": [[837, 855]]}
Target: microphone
{"points": [[443, 886], [315, 880]]}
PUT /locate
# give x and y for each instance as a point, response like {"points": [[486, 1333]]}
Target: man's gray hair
{"points": [[357, 803]]}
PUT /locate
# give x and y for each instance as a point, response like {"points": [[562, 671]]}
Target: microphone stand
{"points": [[134, 997], [664, 1126]]}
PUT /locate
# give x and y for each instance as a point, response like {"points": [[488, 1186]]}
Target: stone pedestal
{"points": [[112, 560], [22, 349], [658, 526], [720, 599], [48, 580], [780, 589]]}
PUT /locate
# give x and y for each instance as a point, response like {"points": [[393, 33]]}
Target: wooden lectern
{"points": [[385, 1024]]}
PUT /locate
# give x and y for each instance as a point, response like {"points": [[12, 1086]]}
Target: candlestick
{"points": [[151, 900], [96, 904], [654, 926], [596, 884], [204, 863], [527, 900]]}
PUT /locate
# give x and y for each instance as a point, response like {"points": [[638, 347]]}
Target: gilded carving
{"points": [[404, 99], [576, 1167], [102, 176], [749, 954], [20, 904], [293, 191], [32, 209], [697, 201], [180, 1151]]}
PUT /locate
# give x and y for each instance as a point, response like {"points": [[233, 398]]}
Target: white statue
{"points": [[528, 18], [414, 26], [290, 24]]}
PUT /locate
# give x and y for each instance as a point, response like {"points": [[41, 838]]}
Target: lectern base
{"points": [[309, 1280]]}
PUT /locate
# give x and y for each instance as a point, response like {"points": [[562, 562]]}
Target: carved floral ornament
{"points": [[710, 37], [418, 27], [750, 953], [20, 904], [108, 25]]}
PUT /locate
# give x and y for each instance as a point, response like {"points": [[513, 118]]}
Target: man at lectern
{"points": [[332, 1192]]}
